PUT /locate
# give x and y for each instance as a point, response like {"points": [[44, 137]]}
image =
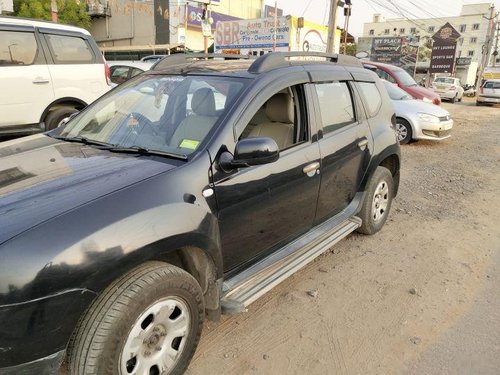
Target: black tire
{"points": [[123, 308], [453, 99], [479, 104], [382, 178], [57, 115], [405, 133]]}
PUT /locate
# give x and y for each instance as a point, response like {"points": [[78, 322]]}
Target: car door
{"points": [[75, 69], [261, 208], [344, 141], [26, 85]]}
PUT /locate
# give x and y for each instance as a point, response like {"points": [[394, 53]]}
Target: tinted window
{"points": [[69, 49], [372, 97], [335, 103], [492, 85], [119, 74], [404, 77], [17, 48]]}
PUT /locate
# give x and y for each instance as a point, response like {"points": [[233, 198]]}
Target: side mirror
{"points": [[250, 151]]}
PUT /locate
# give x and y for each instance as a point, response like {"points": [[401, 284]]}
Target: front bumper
{"points": [[32, 332], [434, 131], [49, 365]]}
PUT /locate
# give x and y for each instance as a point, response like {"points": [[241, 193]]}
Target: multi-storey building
{"points": [[472, 23]]}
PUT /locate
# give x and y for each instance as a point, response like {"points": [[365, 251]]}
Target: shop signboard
{"points": [[443, 50], [195, 15], [386, 50]]}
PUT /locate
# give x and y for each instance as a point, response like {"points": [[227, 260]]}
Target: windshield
{"points": [[395, 93], [404, 78], [171, 114]]}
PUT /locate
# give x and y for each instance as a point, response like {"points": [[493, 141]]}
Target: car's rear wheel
{"points": [[403, 130], [377, 201], [147, 322], [57, 115], [453, 99]]}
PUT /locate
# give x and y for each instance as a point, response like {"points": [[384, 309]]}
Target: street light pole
{"points": [[10, 51]]}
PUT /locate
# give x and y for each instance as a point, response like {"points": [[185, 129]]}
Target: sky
{"points": [[363, 10]]}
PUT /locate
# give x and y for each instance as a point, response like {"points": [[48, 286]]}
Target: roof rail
{"points": [[184, 58], [274, 60]]}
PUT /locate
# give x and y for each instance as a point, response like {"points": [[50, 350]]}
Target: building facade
{"points": [[160, 24], [472, 23]]}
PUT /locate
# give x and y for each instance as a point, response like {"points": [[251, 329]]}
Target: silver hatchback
{"points": [[489, 92]]}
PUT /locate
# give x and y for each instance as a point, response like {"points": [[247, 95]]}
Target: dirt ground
{"points": [[420, 297]]}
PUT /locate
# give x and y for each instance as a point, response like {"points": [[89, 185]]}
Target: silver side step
{"points": [[244, 288]]}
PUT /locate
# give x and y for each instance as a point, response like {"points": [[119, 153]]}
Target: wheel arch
{"points": [[62, 102], [390, 158], [408, 121]]}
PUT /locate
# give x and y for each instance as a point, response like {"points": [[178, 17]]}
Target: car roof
{"points": [[381, 65], [244, 65], [36, 23]]}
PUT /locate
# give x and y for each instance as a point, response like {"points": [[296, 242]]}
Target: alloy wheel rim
{"points": [[402, 131], [157, 338], [380, 201]]}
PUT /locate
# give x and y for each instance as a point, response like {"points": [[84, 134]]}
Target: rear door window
{"points": [[372, 97], [69, 49], [17, 48], [336, 105]]}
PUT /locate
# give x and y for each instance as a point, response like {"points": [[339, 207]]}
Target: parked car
{"points": [[47, 72], [416, 119], [122, 71], [448, 88], [489, 92], [146, 212], [400, 77]]}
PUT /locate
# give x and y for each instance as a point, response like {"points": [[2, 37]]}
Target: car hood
{"points": [[419, 92], [410, 108], [41, 177]]}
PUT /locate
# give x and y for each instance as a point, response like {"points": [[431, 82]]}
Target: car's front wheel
{"points": [[403, 130], [147, 322], [377, 201]]}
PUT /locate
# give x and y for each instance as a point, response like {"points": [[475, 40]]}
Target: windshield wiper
{"points": [[84, 140], [147, 151]]}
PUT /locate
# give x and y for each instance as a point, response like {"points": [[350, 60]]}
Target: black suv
{"points": [[188, 191]]}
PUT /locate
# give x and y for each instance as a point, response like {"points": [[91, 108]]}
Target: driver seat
{"points": [[195, 127]]}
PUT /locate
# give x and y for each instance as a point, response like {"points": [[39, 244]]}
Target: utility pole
{"points": [[332, 26], [486, 47], [495, 51]]}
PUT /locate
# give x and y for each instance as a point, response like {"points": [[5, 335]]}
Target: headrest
{"points": [[203, 102], [279, 108]]}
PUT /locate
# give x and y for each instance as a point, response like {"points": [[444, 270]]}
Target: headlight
{"points": [[426, 99], [429, 118]]}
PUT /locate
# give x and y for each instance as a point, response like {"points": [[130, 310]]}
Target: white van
{"points": [[47, 72]]}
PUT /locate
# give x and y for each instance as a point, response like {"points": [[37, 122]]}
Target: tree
{"points": [[69, 12]]}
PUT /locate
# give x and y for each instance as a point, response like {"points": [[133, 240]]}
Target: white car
{"points": [[48, 71], [416, 119], [448, 88], [489, 92]]}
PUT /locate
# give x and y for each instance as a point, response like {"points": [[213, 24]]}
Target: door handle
{"points": [[362, 144], [39, 80], [311, 169]]}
